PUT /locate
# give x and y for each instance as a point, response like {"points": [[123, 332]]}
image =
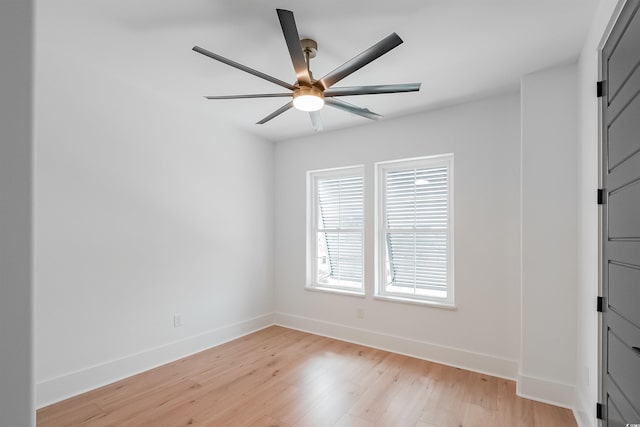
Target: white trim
{"points": [[584, 411], [359, 293], [416, 161], [546, 391], [73, 383], [423, 302], [477, 362]]}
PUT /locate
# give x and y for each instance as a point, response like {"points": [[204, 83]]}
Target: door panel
{"points": [[618, 409], [624, 173], [624, 292], [621, 220], [624, 56], [624, 211], [618, 105], [622, 143], [623, 367], [623, 252]]}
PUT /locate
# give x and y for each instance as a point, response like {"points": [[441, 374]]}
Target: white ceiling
{"points": [[459, 50]]}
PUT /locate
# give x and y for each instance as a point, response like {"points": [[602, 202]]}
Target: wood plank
{"points": [[81, 414], [374, 404], [512, 410], [545, 415], [350, 421], [444, 407], [408, 403], [268, 421]]}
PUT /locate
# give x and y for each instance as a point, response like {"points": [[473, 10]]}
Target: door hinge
{"points": [[599, 411], [601, 196], [600, 304], [600, 89]]}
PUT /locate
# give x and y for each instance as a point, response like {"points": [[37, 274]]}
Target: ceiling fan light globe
{"points": [[308, 98], [308, 103]]}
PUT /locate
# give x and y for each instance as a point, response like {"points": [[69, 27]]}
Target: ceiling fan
{"points": [[308, 93]]}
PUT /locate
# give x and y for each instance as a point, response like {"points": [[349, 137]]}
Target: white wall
{"points": [[142, 210], [482, 334], [588, 211], [549, 182], [16, 78]]}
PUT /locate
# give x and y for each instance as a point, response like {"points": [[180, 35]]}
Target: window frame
{"points": [[312, 228], [381, 247]]}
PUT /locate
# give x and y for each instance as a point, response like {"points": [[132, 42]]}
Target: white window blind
{"points": [[415, 224], [338, 198]]}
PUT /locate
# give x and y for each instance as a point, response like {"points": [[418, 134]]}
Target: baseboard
{"points": [[483, 363], [71, 384], [546, 391], [584, 411]]}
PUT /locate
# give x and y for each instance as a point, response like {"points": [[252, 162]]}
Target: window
{"points": [[335, 236], [414, 235]]}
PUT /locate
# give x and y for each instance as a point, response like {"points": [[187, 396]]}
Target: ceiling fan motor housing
{"points": [[307, 90], [308, 98]]}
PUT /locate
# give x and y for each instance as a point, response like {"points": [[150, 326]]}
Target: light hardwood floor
{"points": [[281, 377]]}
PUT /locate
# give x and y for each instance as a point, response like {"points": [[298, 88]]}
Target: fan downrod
{"points": [[309, 47]]}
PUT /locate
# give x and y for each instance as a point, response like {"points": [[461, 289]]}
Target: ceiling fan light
{"points": [[308, 99], [308, 102]]}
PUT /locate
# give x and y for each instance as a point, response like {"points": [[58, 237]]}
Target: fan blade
{"points": [[316, 121], [276, 113], [369, 90], [242, 67], [350, 108], [256, 95], [354, 64], [290, 32]]}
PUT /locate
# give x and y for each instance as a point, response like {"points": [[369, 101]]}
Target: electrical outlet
{"points": [[360, 313], [177, 320]]}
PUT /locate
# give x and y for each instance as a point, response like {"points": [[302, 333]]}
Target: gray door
{"points": [[621, 239]]}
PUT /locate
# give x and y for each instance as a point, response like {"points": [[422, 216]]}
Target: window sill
{"points": [[359, 294], [416, 301]]}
